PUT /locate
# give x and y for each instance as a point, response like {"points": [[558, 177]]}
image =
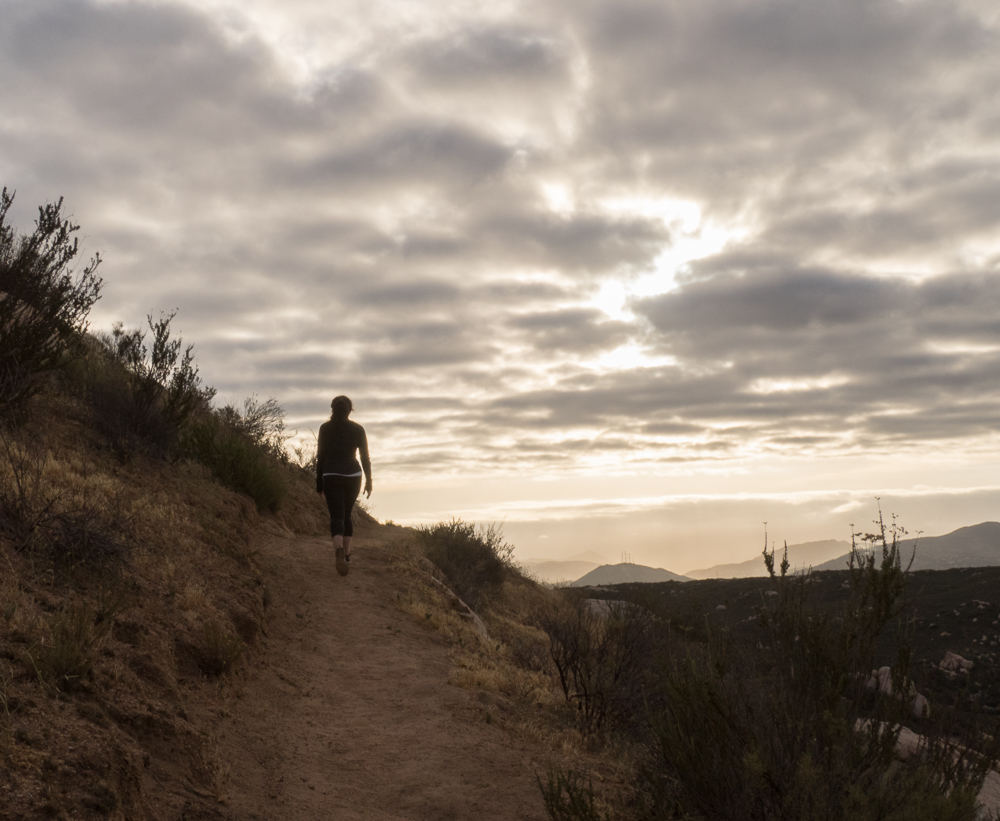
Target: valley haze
{"points": [[973, 546]]}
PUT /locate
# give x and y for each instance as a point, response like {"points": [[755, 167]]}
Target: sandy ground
{"points": [[350, 715]]}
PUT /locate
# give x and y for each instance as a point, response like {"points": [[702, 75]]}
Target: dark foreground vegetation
{"points": [[955, 610], [751, 698]]}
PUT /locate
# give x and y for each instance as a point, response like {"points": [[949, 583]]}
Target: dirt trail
{"points": [[350, 714]]}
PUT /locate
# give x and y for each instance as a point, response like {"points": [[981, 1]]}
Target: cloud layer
{"points": [[581, 238]]}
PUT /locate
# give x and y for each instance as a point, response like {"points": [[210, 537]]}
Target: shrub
{"points": [[130, 425], [784, 728], [27, 504], [101, 540], [306, 452], [220, 649], [143, 396], [263, 423], [161, 375], [568, 798], [475, 559], [64, 660], [44, 304], [97, 532], [600, 657], [236, 461]]}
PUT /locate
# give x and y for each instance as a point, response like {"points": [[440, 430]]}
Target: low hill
{"points": [[802, 556], [626, 573], [974, 546]]}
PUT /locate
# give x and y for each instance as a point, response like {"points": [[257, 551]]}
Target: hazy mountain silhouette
{"points": [[625, 573], [589, 556], [555, 572], [801, 556], [974, 546]]}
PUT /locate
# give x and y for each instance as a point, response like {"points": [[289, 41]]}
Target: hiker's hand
{"points": [[368, 488]]}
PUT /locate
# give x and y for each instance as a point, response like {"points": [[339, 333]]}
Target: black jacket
{"points": [[337, 445]]}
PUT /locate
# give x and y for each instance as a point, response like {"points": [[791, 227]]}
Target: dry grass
{"points": [[118, 640], [64, 657], [220, 649], [513, 673], [19, 610], [6, 725], [219, 773], [193, 598]]}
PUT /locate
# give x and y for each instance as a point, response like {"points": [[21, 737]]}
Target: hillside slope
{"points": [[171, 649], [801, 557], [238, 676], [130, 594]]}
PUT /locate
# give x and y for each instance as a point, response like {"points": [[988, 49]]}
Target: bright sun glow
{"points": [[804, 384], [960, 348], [708, 239], [558, 197], [628, 357], [612, 298], [692, 238]]}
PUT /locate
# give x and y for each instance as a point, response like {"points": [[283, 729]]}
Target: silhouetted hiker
{"points": [[338, 474]]}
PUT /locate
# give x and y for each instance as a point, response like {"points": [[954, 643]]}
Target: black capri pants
{"points": [[341, 493]]}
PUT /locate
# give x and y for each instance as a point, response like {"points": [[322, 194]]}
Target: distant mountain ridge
{"points": [[800, 556], [626, 573], [973, 546], [562, 571]]}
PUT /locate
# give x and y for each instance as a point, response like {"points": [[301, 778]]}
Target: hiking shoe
{"points": [[343, 568]]}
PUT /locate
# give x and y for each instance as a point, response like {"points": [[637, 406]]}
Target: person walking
{"points": [[338, 475]]}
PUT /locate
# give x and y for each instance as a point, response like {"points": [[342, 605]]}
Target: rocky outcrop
{"points": [[910, 744], [954, 663], [881, 680]]}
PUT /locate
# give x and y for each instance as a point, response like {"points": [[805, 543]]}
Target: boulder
{"points": [[880, 680], [954, 662]]}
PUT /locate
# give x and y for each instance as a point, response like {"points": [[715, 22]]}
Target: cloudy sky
{"points": [[630, 275]]}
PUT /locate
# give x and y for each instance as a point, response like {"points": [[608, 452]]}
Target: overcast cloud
{"points": [[649, 243]]}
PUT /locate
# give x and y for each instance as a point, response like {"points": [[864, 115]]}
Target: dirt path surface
{"points": [[350, 714]]}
